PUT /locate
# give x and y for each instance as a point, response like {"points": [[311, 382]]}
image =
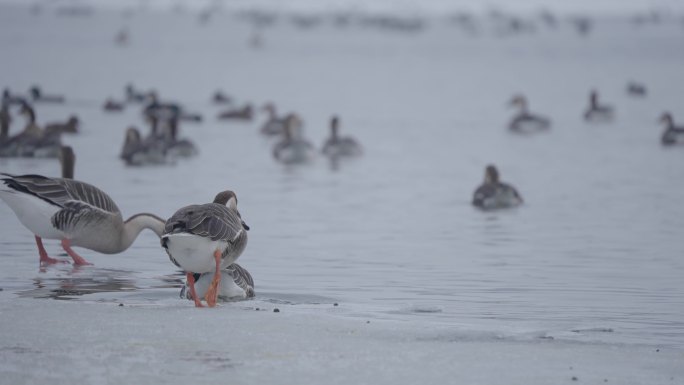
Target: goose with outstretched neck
{"points": [[74, 212], [596, 112], [525, 122], [673, 134], [340, 146], [206, 238], [494, 194]]}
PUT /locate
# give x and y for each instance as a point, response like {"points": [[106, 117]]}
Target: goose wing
{"points": [[212, 220], [58, 191], [242, 278]]}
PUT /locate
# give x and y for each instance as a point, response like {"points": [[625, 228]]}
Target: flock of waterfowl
{"points": [[204, 240]]}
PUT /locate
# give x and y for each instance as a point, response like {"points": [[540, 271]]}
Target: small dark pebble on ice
{"points": [[367, 322], [120, 305], [257, 309], [335, 304], [657, 350], [605, 380], [276, 310], [574, 378], [1, 289]]}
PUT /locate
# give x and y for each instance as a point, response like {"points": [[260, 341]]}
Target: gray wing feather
{"points": [[75, 214], [211, 220], [59, 191]]}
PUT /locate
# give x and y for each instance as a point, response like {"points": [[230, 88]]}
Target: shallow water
{"points": [[595, 254]]}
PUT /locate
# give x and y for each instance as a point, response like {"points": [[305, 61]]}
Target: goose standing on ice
{"points": [[525, 122], [76, 213], [236, 284], [293, 149], [494, 194], [672, 134], [597, 112], [206, 238], [340, 146]]}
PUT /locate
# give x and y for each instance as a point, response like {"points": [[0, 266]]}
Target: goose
{"points": [[340, 146], [636, 89], [178, 148], [293, 149], [221, 98], [236, 284], [69, 127], [111, 105], [525, 122], [597, 112], [38, 96], [244, 113], [74, 212], [493, 194], [167, 111], [672, 134], [274, 125], [134, 96], [206, 238], [139, 152], [32, 141]]}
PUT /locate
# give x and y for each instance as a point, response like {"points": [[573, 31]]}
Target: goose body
{"points": [[340, 146], [236, 284], [274, 125], [206, 238], [493, 194], [68, 127], [244, 113], [139, 152], [673, 135], [292, 148], [596, 112], [524, 122], [77, 213]]}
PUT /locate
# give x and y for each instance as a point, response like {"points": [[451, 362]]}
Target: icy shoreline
{"points": [[62, 342]]}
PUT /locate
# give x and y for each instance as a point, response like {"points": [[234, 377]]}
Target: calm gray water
{"points": [[595, 254]]}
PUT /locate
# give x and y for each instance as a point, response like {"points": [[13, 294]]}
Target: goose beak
{"points": [[244, 226]]}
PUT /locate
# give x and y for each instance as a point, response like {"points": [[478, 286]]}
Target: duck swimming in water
{"points": [[597, 112], [636, 89], [206, 238], [293, 149], [524, 122], [74, 212], [69, 127], [494, 194], [673, 134], [340, 146], [244, 113], [137, 151]]}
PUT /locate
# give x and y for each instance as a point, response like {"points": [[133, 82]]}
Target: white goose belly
{"points": [[194, 253], [34, 213]]}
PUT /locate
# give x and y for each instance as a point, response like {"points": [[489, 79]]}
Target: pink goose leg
{"points": [[78, 260], [212, 292], [44, 259], [191, 281]]}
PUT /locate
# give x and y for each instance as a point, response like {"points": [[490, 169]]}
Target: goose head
{"points": [[229, 199], [519, 101], [491, 174], [666, 119], [270, 109], [67, 159]]}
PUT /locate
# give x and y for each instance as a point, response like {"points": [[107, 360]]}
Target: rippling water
{"points": [[595, 254]]}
